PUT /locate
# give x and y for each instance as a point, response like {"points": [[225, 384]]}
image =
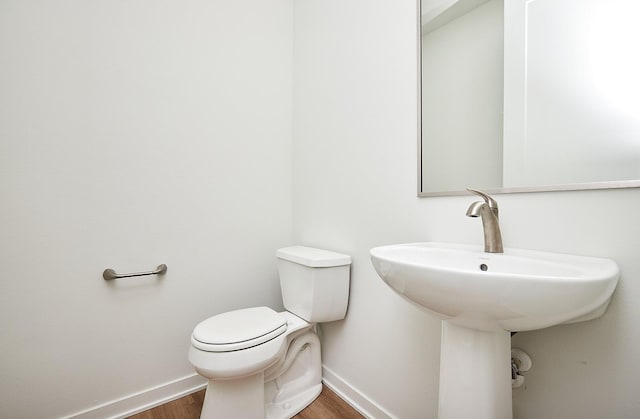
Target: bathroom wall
{"points": [[132, 134], [138, 133], [354, 159]]}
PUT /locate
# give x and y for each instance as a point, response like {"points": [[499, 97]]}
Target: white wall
{"points": [[355, 126], [138, 133], [132, 134], [354, 188]]}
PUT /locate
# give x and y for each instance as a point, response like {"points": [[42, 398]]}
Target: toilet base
{"points": [[279, 392], [242, 398], [288, 408], [297, 381]]}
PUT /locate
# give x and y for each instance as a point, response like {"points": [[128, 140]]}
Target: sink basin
{"points": [[516, 290], [481, 297]]}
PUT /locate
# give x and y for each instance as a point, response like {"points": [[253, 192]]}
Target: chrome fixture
{"points": [[488, 210], [110, 274]]}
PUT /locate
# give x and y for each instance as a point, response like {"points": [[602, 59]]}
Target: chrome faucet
{"points": [[488, 210]]}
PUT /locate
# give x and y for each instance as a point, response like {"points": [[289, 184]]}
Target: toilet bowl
{"points": [[263, 364]]}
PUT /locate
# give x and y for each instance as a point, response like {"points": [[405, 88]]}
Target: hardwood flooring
{"points": [[327, 406]]}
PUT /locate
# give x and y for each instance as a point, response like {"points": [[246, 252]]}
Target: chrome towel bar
{"points": [[110, 274]]}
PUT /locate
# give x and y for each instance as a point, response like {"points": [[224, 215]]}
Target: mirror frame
{"points": [[618, 184]]}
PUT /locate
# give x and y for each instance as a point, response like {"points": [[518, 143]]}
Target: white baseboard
{"points": [[144, 400], [164, 393], [353, 396]]}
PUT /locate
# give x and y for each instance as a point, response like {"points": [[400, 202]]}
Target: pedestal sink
{"points": [[482, 297]]}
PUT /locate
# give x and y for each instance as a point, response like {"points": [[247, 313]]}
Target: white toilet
{"points": [[264, 364]]}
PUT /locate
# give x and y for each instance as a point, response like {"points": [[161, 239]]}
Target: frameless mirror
{"points": [[529, 95]]}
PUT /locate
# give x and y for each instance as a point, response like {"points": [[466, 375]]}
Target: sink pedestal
{"points": [[475, 373]]}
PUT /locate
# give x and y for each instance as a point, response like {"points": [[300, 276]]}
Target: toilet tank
{"points": [[314, 283]]}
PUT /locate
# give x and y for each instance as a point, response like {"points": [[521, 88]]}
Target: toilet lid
{"points": [[239, 329]]}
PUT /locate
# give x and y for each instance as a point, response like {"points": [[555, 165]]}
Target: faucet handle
{"points": [[493, 204]]}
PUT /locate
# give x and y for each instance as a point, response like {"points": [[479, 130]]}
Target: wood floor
{"points": [[327, 406]]}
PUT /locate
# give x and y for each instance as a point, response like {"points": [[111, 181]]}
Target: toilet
{"points": [[263, 364]]}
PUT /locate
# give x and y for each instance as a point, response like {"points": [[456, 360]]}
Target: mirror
{"points": [[528, 95]]}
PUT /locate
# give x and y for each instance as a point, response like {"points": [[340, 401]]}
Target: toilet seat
{"points": [[239, 329]]}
